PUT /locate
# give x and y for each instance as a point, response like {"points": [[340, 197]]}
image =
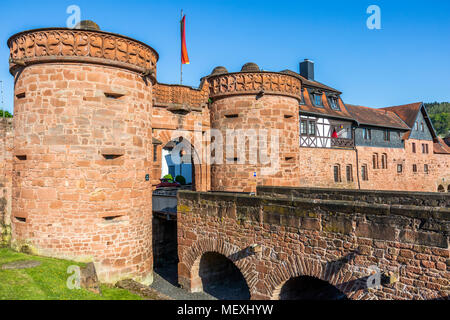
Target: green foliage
{"points": [[48, 281], [168, 177], [5, 114], [181, 180], [440, 116]]}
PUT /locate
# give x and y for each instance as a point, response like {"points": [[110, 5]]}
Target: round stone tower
{"points": [[82, 148], [257, 114]]}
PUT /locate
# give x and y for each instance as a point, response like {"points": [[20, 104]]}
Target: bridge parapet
{"points": [[432, 199], [336, 241]]}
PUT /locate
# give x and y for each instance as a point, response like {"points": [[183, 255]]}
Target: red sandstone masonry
{"points": [[66, 188], [168, 124], [407, 180], [316, 168], [82, 148], [309, 237], [277, 115], [6, 147]]}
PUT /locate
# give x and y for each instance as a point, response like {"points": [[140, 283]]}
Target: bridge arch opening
{"points": [[218, 276], [308, 288]]}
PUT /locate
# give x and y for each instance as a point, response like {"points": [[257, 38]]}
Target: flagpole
{"points": [[181, 47]]}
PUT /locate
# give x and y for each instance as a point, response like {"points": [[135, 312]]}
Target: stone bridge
{"points": [[289, 243]]}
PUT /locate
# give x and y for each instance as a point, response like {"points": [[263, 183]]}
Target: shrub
{"points": [[168, 177], [181, 180]]}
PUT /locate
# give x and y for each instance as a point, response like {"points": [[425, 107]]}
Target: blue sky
{"points": [[407, 60]]}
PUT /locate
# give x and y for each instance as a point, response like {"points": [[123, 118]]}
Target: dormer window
{"points": [[416, 126], [302, 97], [333, 101], [422, 127], [317, 100]]}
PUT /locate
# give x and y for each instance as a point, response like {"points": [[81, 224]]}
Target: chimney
{"points": [[307, 69]]}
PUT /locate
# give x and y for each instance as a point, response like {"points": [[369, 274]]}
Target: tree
{"points": [[5, 114], [440, 117]]}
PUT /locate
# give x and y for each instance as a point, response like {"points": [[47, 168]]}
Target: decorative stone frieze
{"points": [[85, 46], [254, 83]]}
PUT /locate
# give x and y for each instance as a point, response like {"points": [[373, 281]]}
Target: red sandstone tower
{"points": [[82, 148], [256, 100]]}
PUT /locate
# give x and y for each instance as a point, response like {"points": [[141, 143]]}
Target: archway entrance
{"points": [[221, 278], [309, 288], [441, 188]]}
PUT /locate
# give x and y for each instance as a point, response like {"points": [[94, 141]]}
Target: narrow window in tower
{"points": [[20, 95], [413, 147], [399, 168], [349, 171], [112, 95], [155, 153], [112, 156], [425, 168], [414, 167]]}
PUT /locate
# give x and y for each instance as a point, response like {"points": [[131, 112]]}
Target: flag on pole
{"points": [[184, 53]]}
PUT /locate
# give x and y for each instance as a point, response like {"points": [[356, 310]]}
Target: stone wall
{"points": [[317, 165], [340, 242], [406, 180], [317, 168], [6, 141], [432, 199]]}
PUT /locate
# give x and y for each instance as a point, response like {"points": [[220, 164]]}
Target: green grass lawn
{"points": [[48, 281]]}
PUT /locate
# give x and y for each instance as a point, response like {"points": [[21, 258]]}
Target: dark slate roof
{"points": [[408, 112], [376, 117], [310, 83], [325, 110]]}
